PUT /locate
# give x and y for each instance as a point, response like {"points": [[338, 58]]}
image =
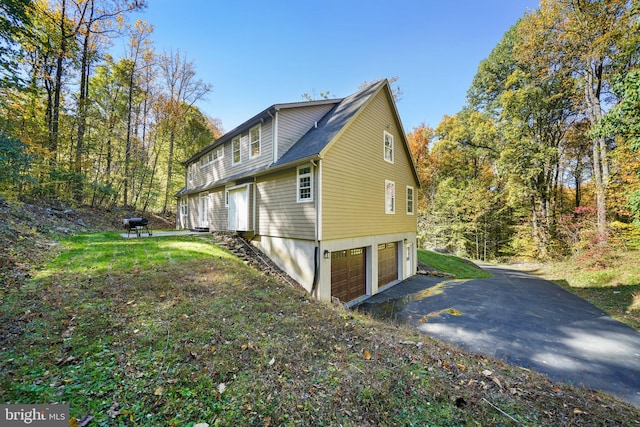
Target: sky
{"points": [[259, 53]]}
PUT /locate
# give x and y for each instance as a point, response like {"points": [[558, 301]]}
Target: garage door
{"points": [[387, 263], [348, 274]]}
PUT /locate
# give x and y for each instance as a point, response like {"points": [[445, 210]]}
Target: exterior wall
{"points": [[217, 210], [295, 257], [278, 213], [293, 123], [354, 173], [405, 270], [223, 167]]}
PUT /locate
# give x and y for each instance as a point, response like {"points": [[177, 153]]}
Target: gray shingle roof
{"points": [[317, 138], [310, 145]]}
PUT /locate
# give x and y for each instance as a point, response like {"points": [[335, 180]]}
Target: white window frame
{"points": [[190, 173], [211, 156], [184, 207], [258, 141], [299, 187], [233, 150], [411, 200], [388, 150], [389, 197]]}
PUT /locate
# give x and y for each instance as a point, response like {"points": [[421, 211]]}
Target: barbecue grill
{"points": [[137, 225]]}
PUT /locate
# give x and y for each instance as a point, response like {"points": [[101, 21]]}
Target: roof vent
{"points": [[316, 125]]}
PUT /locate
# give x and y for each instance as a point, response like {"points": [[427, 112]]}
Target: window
{"points": [[388, 147], [212, 156], [409, 200], [389, 197], [190, 173], [305, 184], [254, 141], [235, 148], [183, 207], [219, 153]]}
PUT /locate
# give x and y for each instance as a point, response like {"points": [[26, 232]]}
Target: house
{"points": [[327, 189]]}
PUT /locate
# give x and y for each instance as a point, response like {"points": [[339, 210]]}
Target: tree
{"points": [[14, 23], [182, 90], [584, 38]]}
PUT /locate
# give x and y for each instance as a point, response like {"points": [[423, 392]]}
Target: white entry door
{"points": [[408, 248], [239, 209], [203, 211]]}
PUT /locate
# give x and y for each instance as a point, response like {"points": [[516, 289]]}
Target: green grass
{"points": [[451, 264], [172, 331]]}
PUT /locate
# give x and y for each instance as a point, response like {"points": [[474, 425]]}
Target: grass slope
{"points": [[451, 264], [176, 331]]}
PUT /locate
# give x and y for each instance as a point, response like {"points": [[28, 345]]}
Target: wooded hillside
{"points": [[544, 160], [81, 125]]}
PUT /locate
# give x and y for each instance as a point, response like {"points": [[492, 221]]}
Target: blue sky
{"points": [[259, 53]]}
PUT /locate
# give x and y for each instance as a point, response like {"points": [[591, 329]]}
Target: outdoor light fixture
{"points": [[326, 254]]}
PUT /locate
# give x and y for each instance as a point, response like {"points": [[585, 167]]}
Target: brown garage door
{"points": [[387, 263], [348, 274]]}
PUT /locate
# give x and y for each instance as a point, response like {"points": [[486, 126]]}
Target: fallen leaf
{"points": [[158, 391], [272, 361], [201, 425], [487, 373], [184, 317], [497, 381], [577, 411], [461, 367], [222, 387], [367, 355]]}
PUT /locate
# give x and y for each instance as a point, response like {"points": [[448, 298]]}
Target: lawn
{"points": [[177, 331], [451, 264]]}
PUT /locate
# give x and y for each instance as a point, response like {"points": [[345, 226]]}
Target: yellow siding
{"points": [[354, 174]]}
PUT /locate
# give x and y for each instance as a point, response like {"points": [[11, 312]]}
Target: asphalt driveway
{"points": [[524, 320]]}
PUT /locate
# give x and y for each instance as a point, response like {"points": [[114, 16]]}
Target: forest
{"points": [[542, 162], [544, 159], [82, 126]]}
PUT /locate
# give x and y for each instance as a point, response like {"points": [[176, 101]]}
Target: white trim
{"points": [[274, 124], [251, 155], [319, 201], [413, 200], [233, 152], [211, 157], [389, 208], [298, 188], [392, 153]]}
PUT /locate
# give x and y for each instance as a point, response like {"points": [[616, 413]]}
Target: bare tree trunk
{"points": [[600, 158]]}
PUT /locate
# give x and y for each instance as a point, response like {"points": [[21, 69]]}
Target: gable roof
{"points": [[314, 143], [318, 138], [265, 114]]}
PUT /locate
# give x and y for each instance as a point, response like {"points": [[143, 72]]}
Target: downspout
{"points": [[316, 265]]}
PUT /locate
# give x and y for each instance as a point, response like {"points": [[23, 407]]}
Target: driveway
{"points": [[524, 320]]}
